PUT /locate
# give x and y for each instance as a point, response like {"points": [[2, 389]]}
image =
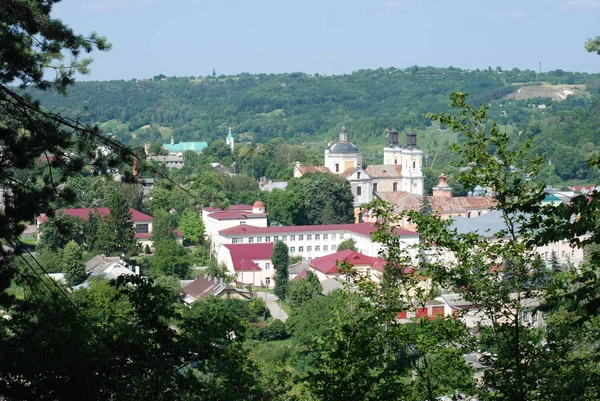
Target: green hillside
{"points": [[310, 109]]}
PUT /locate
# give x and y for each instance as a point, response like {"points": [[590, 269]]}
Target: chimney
{"points": [[442, 189], [137, 270]]}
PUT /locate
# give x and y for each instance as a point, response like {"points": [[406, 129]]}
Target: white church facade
{"points": [[401, 171]]}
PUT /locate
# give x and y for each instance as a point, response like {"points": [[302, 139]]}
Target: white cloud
{"points": [[585, 5], [512, 14], [115, 5], [393, 4]]}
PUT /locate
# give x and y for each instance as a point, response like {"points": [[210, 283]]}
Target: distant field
{"points": [[555, 92]]}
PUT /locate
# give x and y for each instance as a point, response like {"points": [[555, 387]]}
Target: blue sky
{"points": [[191, 37]]}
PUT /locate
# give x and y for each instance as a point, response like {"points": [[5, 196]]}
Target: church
{"points": [[401, 171]]}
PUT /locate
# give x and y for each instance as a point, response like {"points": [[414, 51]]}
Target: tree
{"points": [[281, 262], [170, 259], [91, 230], [58, 230], [426, 208], [555, 264], [73, 265], [348, 243], [593, 45], [303, 290], [192, 226], [116, 233], [162, 226]]}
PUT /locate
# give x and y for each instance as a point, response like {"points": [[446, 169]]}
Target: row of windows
{"points": [[284, 238], [309, 248]]}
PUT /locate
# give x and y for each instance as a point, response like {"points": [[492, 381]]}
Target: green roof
{"points": [[183, 146]]}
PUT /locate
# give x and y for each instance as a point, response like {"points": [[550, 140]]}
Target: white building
{"points": [[216, 219], [313, 241], [401, 171]]}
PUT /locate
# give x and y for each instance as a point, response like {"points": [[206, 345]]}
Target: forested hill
{"points": [[295, 106]]}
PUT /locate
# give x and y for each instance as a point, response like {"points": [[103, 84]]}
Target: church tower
{"points": [[343, 154], [409, 157], [230, 140]]}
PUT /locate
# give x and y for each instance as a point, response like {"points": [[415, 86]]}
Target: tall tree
{"points": [[192, 226], [281, 262], [73, 265], [116, 233], [170, 259], [91, 230], [348, 243], [58, 230], [162, 226], [303, 290], [426, 208]]}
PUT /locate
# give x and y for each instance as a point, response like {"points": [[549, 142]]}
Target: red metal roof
{"points": [[314, 169], [360, 228], [300, 275], [235, 215], [244, 255], [84, 213], [329, 264]]}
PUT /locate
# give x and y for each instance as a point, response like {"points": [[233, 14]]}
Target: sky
{"points": [[191, 37]]}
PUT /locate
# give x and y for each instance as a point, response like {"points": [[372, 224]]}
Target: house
{"points": [[141, 221], [170, 161], [204, 286], [489, 224], [327, 267], [442, 203], [250, 263], [179, 148]]}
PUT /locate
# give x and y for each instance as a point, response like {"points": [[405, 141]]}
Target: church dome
{"points": [[344, 147]]}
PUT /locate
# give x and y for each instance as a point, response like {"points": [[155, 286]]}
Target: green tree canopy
{"points": [[192, 226], [303, 290], [170, 259], [281, 262], [348, 243], [73, 265]]}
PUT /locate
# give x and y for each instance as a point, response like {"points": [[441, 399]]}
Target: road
{"points": [[274, 308]]}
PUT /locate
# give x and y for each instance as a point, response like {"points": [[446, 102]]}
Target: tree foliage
{"points": [[73, 265], [281, 262], [348, 243], [192, 226], [170, 259]]}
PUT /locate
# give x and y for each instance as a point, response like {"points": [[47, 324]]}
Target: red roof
{"points": [[300, 275], [360, 228], [314, 169], [84, 213], [235, 215], [329, 264], [244, 255]]}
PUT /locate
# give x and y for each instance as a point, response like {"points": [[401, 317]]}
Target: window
{"points": [[267, 239], [141, 228], [395, 187], [414, 164], [325, 236], [318, 248], [309, 237], [333, 248], [348, 279], [469, 215], [292, 238], [309, 249], [478, 213], [268, 281], [317, 237], [395, 161], [284, 238], [301, 237], [358, 175], [250, 240], [563, 254], [332, 236], [337, 168], [342, 236], [242, 223], [325, 247], [374, 187], [293, 249], [267, 266], [300, 249], [237, 240], [258, 239], [572, 252], [276, 238], [358, 191]]}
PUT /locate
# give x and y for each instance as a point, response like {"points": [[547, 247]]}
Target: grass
{"points": [[285, 306]]}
